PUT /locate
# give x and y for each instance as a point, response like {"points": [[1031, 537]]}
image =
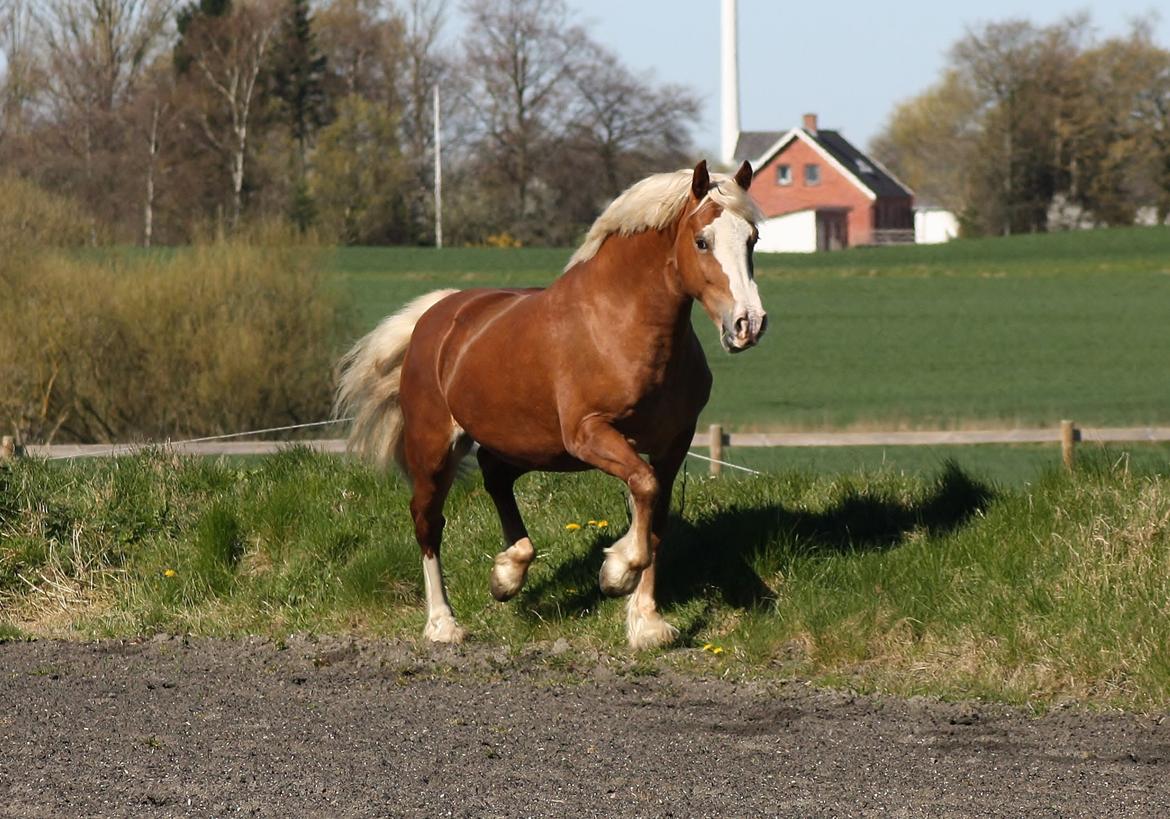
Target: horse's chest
{"points": [[666, 403]]}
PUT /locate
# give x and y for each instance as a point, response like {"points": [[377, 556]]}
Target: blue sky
{"points": [[850, 62]]}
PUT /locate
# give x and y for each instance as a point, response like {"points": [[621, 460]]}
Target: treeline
{"points": [[167, 121], [1040, 128]]}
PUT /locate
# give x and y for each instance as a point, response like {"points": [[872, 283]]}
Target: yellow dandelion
{"points": [[601, 524], [572, 527], [708, 646], [717, 650], [591, 522], [169, 573]]}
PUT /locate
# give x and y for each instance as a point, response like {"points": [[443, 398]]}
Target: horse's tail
{"points": [[368, 384]]}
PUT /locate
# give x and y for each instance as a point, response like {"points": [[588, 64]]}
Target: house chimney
{"points": [[730, 76], [810, 123]]}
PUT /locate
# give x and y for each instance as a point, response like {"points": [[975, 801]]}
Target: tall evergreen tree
{"points": [[299, 83]]}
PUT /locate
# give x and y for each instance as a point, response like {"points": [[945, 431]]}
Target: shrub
{"points": [[31, 217], [220, 337]]}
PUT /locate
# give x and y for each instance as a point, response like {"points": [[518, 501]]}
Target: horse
{"points": [[598, 369]]}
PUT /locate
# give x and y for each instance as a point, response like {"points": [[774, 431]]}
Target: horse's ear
{"points": [[743, 176], [701, 181]]}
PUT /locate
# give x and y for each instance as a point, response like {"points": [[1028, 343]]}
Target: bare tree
{"points": [[519, 57], [154, 115], [22, 74], [362, 41], [98, 48], [226, 55], [95, 53], [625, 122], [422, 70]]}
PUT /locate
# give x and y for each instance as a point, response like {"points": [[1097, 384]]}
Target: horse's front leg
{"points": [[645, 627], [598, 444]]}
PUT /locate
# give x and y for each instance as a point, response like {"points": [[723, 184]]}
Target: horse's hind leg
{"points": [[511, 565], [433, 452]]}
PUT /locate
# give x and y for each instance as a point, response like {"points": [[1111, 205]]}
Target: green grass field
{"points": [[1000, 464], [877, 580], [1016, 331]]}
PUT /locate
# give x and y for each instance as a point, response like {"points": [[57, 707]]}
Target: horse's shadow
{"points": [[714, 555]]}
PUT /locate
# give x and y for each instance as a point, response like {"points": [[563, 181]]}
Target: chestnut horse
{"points": [[597, 369]]}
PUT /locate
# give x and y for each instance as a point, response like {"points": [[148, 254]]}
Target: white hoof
{"points": [[443, 629], [617, 576], [647, 629], [508, 575]]}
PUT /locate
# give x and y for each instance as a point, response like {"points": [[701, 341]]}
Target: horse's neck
{"points": [[637, 271]]}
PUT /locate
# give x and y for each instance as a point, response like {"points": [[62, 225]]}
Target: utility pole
{"points": [[438, 175], [729, 96]]}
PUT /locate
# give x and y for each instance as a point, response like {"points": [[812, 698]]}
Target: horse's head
{"points": [[713, 251]]}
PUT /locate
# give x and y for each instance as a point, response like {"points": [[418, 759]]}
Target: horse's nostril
{"points": [[742, 325]]}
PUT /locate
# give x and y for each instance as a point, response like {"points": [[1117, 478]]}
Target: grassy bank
{"points": [[1016, 331], [879, 580]]}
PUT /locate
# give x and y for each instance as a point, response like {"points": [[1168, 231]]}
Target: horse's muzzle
{"points": [[745, 331]]}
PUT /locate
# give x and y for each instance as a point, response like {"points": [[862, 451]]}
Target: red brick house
{"points": [[819, 192]]}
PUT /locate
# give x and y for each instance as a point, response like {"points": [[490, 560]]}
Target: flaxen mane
{"points": [[656, 202]]}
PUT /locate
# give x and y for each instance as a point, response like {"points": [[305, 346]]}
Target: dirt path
{"points": [[332, 728]]}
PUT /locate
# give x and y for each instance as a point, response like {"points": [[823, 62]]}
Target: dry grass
{"points": [[31, 217], [218, 338]]}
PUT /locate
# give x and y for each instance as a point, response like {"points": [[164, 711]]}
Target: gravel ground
{"points": [[173, 727]]}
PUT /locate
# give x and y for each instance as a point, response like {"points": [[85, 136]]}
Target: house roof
{"points": [[753, 143], [760, 146]]}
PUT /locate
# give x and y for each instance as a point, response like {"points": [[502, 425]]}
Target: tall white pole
{"points": [[438, 175], [730, 76]]}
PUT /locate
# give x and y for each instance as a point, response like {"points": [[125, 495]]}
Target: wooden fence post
{"points": [[7, 448], [716, 447], [1068, 442]]}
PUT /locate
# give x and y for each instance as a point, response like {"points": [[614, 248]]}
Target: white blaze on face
{"points": [[731, 235]]}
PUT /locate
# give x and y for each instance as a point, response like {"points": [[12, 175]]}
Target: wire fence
{"points": [[1068, 435]]}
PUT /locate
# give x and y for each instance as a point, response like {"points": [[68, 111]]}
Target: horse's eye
{"points": [[701, 243]]}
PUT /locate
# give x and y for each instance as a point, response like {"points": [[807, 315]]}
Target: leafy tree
{"points": [[358, 175], [1006, 113], [929, 140]]}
